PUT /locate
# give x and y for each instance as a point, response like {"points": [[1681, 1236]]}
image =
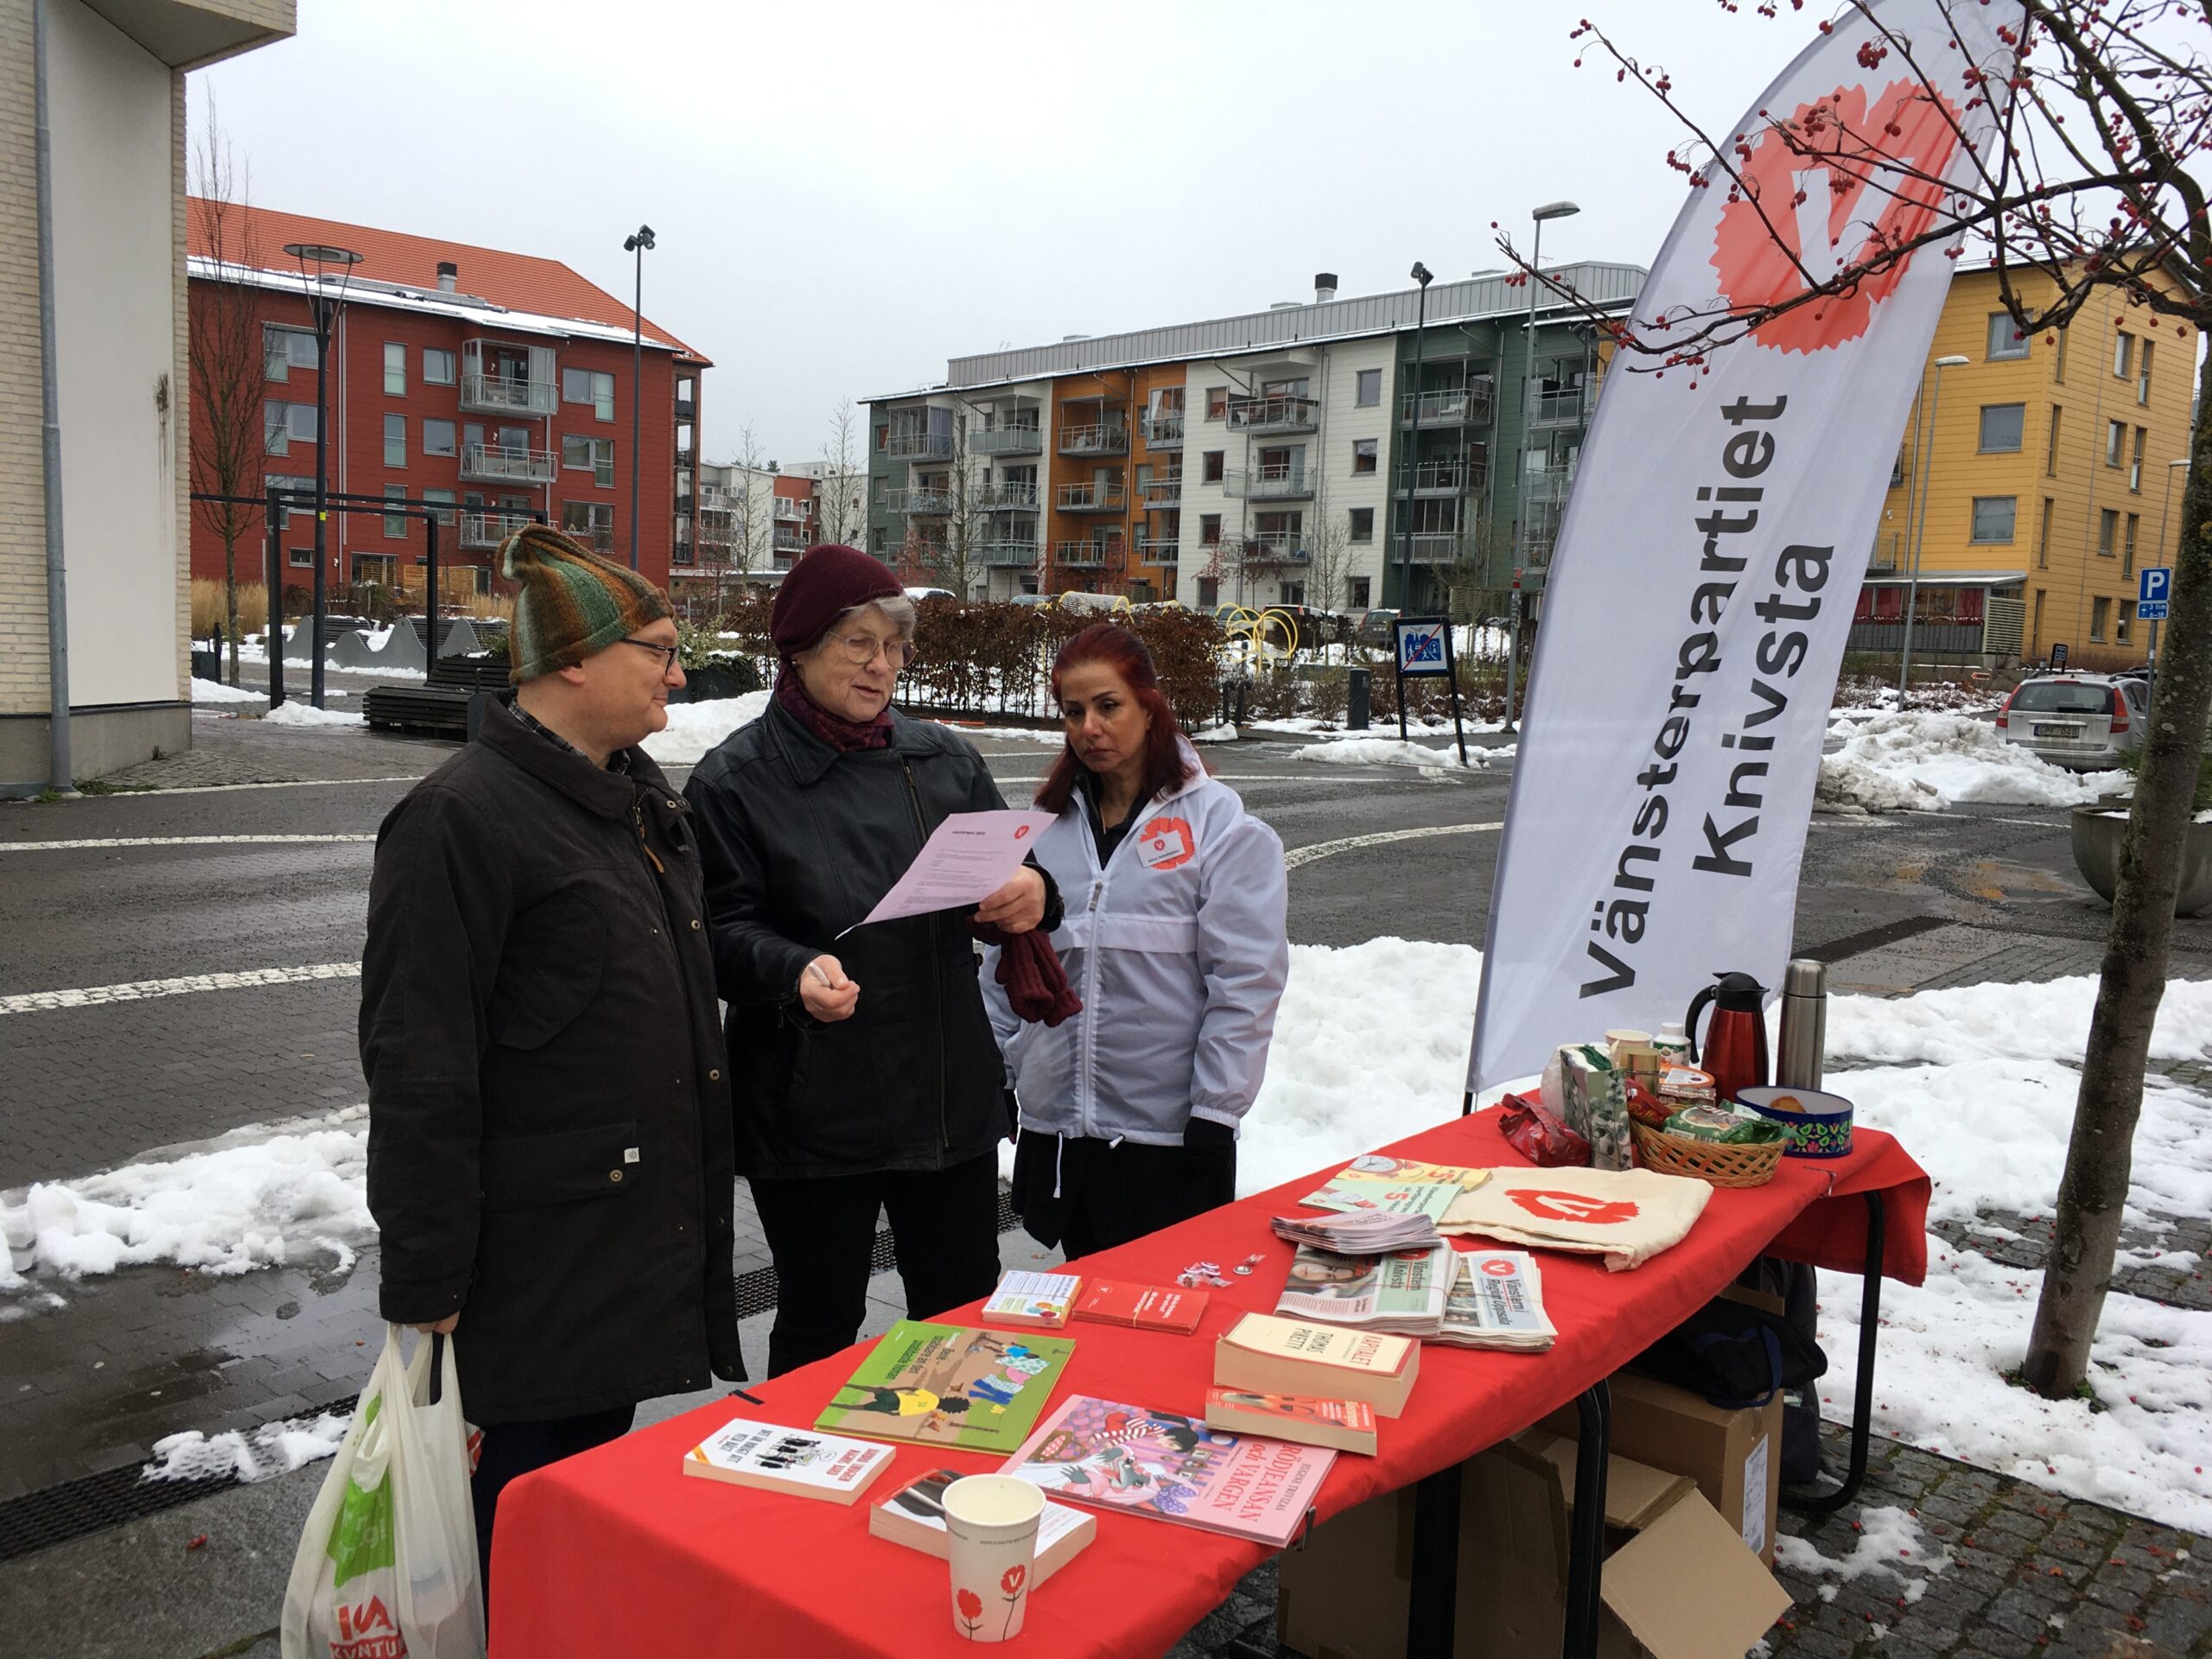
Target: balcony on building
{"points": [[1559, 406], [1016, 439], [919, 444], [1095, 438], [713, 497], [1462, 405], [921, 501], [1090, 498], [1440, 478], [1274, 547], [1157, 550], [1435, 547], [789, 540], [1548, 485], [687, 409], [790, 511], [1156, 492], [1015, 553], [498, 464], [1006, 498], [1272, 412], [498, 379], [489, 529], [1281, 481], [1087, 556], [682, 552], [1164, 430]]}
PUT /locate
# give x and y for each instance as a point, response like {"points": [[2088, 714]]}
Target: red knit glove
{"points": [[1036, 984]]}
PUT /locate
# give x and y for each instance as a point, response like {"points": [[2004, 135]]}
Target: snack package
{"points": [[1647, 1107], [1724, 1125], [1538, 1136], [1593, 1103], [1686, 1085]]}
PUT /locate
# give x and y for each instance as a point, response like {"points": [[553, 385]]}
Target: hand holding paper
{"points": [[969, 857]]}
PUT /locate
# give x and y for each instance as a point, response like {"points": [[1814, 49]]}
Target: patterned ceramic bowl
{"points": [[1819, 1127]]}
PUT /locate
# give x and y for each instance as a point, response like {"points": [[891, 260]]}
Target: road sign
{"points": [[1420, 646], [2057, 657], [2156, 588]]}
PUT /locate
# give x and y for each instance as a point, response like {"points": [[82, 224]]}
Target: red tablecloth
{"points": [[619, 1553]]}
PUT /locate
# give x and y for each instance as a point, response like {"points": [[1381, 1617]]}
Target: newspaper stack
{"points": [[1359, 1232], [1402, 1293], [1496, 1302]]}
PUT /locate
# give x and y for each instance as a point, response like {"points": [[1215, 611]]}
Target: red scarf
{"points": [[846, 736]]}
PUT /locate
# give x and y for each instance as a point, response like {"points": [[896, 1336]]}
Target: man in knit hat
{"points": [[549, 1152]]}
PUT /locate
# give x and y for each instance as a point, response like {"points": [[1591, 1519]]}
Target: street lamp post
{"points": [[1420, 274], [1549, 210], [1920, 525], [637, 245], [325, 303], [2165, 506]]}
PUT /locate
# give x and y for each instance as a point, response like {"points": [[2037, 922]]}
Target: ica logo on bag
{"points": [[367, 1631]]}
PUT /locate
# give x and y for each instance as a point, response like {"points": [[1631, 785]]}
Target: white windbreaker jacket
{"points": [[1178, 949]]}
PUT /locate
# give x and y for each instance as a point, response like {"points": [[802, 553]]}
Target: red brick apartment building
{"points": [[498, 385]]}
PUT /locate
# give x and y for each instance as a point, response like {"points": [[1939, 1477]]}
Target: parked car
{"points": [[2083, 720], [1374, 630]]}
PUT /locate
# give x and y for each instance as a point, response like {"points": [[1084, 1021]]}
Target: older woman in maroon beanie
{"points": [[865, 1075]]}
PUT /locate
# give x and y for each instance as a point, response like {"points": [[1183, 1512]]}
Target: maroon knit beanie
{"points": [[826, 581]]}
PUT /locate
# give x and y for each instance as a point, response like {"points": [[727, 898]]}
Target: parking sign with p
{"points": [[2155, 589]]}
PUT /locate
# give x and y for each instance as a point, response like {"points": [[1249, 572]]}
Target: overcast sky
{"points": [[845, 194]]}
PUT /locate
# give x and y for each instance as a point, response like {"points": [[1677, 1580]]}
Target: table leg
{"points": [[1862, 1406], [1434, 1602], [1586, 1562]]}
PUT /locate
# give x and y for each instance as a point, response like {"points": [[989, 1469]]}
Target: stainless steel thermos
{"points": [[1798, 1057]]}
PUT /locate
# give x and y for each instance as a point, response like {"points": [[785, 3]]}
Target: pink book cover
{"points": [[1139, 1461]]}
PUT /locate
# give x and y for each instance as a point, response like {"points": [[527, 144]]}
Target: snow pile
{"points": [[1388, 752], [1926, 762], [694, 728], [272, 1449], [302, 713], [216, 691], [1889, 1541], [1052, 739], [2046, 1021], [259, 1196], [1224, 732]]}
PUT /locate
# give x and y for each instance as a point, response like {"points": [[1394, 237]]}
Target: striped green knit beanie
{"points": [[573, 603]]}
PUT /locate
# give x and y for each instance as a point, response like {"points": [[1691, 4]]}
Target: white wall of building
{"points": [[109, 102]]}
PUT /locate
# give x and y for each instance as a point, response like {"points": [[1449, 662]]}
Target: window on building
{"points": [[280, 482], [2127, 623], [394, 523], [1209, 530], [2107, 532], [437, 367], [2115, 442], [300, 558], [2135, 467], [395, 440], [284, 350], [2127, 545], [875, 540], [1370, 388], [588, 387], [1294, 593], [2143, 373], [2005, 339], [2123, 354], [2059, 361], [2002, 425], [395, 369], [285, 425], [438, 438], [1209, 592], [592, 455], [590, 522], [1217, 403], [1993, 518], [2042, 536], [1363, 524], [2100, 609], [441, 498], [1363, 454], [2051, 450], [1214, 460], [1357, 589]]}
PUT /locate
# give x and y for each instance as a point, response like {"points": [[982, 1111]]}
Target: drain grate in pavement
{"points": [[76, 1509]]}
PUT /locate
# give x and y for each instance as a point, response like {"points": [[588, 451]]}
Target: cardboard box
{"points": [[1678, 1583]]}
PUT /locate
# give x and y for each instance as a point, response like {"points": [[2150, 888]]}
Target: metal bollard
{"points": [[1358, 702]]}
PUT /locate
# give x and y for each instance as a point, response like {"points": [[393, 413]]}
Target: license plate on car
{"points": [[2058, 731]]}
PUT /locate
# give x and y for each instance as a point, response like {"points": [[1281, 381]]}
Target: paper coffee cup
{"points": [[992, 1523]]}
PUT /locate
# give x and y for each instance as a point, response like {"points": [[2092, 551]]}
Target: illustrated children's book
{"points": [[914, 1516], [1139, 1461], [1037, 1299], [794, 1460], [949, 1385]]}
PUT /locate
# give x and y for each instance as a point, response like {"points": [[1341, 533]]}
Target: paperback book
{"points": [[1139, 1461], [1273, 1355], [949, 1385], [1148, 1308], [1342, 1425], [914, 1516], [1498, 1301], [1041, 1300], [795, 1460], [1402, 1293]]}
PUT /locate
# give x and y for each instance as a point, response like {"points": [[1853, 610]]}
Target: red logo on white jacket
{"points": [[1166, 844]]}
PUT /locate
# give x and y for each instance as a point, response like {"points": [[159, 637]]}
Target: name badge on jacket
{"points": [[1166, 844]]}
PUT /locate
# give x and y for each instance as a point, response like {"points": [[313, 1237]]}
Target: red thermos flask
{"points": [[1735, 1044]]}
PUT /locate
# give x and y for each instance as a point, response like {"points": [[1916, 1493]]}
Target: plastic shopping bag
{"points": [[386, 1568]]}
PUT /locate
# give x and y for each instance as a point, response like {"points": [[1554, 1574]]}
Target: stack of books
{"points": [[1359, 1232]]}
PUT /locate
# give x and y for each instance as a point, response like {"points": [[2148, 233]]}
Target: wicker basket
{"points": [[1718, 1162]]}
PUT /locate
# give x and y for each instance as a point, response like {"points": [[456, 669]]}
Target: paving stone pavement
{"points": [[2025, 1572], [226, 750]]}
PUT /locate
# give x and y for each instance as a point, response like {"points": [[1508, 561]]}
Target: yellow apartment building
{"points": [[2045, 466]]}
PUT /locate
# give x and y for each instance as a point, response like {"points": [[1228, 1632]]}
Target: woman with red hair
{"points": [[1174, 939]]}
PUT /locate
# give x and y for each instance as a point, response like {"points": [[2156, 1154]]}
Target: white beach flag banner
{"points": [[1711, 559]]}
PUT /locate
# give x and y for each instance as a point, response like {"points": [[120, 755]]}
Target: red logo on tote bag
{"points": [[1573, 1206]]}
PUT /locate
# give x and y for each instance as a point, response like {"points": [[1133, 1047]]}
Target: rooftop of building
{"points": [[512, 290], [1485, 296]]}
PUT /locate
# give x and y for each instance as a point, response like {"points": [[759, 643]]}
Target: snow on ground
{"points": [[694, 728], [1926, 762], [1388, 752], [216, 691], [272, 1449], [2046, 1021], [1223, 732], [1329, 731], [299, 712], [1888, 1541], [1051, 739]]}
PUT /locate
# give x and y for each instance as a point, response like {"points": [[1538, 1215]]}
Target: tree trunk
{"points": [[231, 601], [2100, 1154]]}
